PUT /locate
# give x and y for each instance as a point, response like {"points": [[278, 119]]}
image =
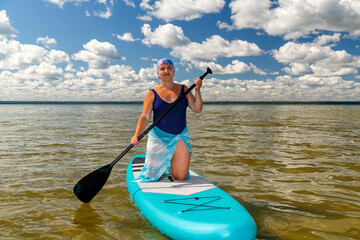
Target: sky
{"points": [[106, 50]]}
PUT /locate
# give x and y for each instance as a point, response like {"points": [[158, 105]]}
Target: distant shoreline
{"points": [[205, 102]]}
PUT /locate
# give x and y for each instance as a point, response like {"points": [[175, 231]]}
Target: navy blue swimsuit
{"points": [[175, 121]]}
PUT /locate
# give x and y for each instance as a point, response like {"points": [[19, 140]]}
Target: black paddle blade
{"points": [[87, 188]]}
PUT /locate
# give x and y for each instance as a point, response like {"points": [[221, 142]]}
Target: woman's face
{"points": [[166, 71]]}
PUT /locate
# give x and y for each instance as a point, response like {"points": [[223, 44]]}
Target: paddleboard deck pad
{"points": [[190, 209]]}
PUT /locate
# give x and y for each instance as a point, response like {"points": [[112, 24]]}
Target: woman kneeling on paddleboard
{"points": [[168, 148]]}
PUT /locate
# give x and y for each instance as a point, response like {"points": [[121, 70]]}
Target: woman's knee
{"points": [[180, 162], [180, 175]]}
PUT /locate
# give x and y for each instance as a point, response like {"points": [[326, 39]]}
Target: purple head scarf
{"points": [[162, 61]]}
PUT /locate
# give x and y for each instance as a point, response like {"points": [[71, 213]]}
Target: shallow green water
{"points": [[294, 167]]}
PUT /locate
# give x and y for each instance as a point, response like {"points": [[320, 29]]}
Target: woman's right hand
{"points": [[134, 140]]}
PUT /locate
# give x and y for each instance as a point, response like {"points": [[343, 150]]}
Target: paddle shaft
{"points": [[159, 118]]}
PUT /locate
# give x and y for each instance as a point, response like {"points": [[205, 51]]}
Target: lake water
{"points": [[294, 167]]}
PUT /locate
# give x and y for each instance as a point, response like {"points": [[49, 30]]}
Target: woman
{"points": [[168, 144]]}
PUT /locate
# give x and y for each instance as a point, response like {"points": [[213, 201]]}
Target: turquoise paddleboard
{"points": [[190, 209]]}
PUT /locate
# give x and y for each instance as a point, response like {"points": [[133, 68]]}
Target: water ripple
{"points": [[294, 167]]}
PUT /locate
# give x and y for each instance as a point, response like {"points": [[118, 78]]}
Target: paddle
{"points": [[91, 184]]}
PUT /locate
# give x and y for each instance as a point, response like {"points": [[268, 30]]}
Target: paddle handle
{"points": [[161, 117]]}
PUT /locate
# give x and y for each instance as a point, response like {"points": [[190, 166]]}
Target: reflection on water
{"points": [[87, 217], [294, 167]]}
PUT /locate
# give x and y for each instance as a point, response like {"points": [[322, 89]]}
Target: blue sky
{"points": [[106, 50]]}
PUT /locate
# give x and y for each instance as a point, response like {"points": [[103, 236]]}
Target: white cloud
{"points": [[283, 88], [108, 9], [325, 39], [14, 55], [301, 52], [250, 14], [57, 56], [145, 18], [298, 68], [171, 36], [296, 18], [126, 37], [223, 25], [214, 47], [257, 70], [44, 71], [70, 67], [5, 27], [114, 72], [107, 13], [104, 14], [167, 36], [29, 78], [31, 66], [60, 3], [236, 67], [145, 5], [316, 59], [170, 10], [119, 82], [49, 82], [98, 54], [332, 70], [129, 3], [46, 41]]}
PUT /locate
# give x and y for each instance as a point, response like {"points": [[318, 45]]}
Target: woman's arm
{"points": [[144, 117], [196, 103]]}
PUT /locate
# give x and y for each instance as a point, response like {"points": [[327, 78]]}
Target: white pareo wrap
{"points": [[159, 152]]}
